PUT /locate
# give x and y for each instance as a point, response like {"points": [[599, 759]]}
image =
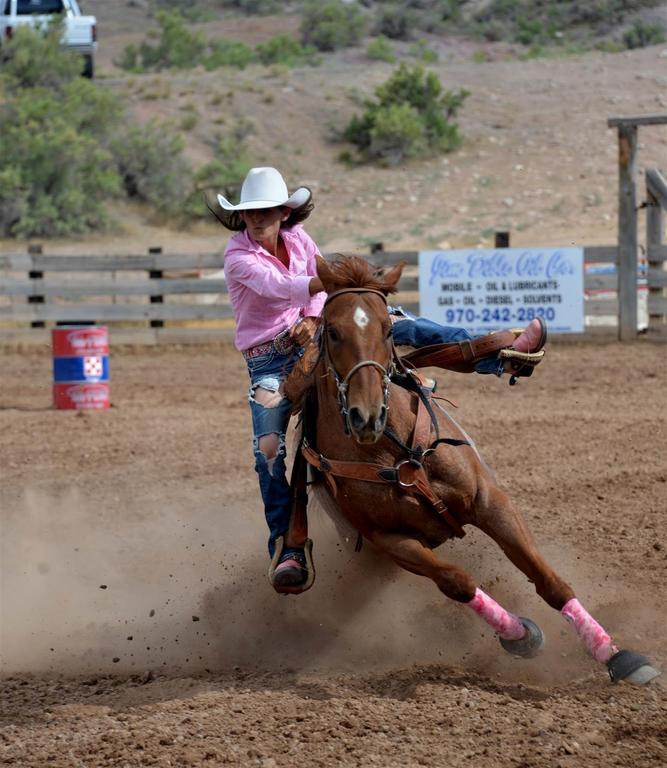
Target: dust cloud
{"points": [[92, 588]]}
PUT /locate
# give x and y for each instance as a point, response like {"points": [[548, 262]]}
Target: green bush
{"points": [[643, 34], [151, 165], [449, 10], [410, 116], [176, 47], [228, 53], [31, 60], [331, 25], [67, 146], [55, 168], [395, 21], [550, 21], [192, 12], [397, 132], [254, 6], [604, 12], [380, 49], [284, 49], [129, 59], [55, 171], [531, 31]]}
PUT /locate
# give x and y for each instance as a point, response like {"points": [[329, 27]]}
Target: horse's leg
{"points": [[458, 585], [502, 522]]}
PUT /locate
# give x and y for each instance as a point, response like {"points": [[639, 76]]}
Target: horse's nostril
{"points": [[381, 419], [375, 422], [357, 419]]}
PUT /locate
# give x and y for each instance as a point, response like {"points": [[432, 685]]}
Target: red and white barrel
{"points": [[80, 367]]}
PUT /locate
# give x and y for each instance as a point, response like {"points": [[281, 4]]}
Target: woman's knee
{"points": [[270, 452], [270, 445]]}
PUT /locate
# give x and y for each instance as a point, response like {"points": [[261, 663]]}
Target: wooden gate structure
{"points": [[628, 231]]}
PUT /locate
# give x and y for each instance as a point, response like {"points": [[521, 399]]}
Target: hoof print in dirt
{"points": [[631, 667], [527, 646]]}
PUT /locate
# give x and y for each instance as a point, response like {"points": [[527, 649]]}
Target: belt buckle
{"points": [[283, 342]]}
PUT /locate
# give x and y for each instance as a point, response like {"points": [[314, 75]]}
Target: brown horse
{"points": [[408, 478]]}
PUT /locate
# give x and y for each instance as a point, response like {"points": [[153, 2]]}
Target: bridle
{"points": [[343, 382]]}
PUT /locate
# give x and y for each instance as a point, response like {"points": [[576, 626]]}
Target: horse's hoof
{"points": [[631, 666], [527, 646]]}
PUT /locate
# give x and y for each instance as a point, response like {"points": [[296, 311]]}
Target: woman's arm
{"points": [[296, 289]]}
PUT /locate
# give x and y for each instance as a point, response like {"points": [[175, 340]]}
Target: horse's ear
{"points": [[390, 279], [326, 274]]}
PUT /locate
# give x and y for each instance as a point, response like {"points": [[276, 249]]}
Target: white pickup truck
{"points": [[80, 33]]}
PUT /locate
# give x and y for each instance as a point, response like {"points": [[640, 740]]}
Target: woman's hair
{"points": [[232, 219]]}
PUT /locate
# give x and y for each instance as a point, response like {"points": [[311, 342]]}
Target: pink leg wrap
{"points": [[597, 641], [507, 625]]}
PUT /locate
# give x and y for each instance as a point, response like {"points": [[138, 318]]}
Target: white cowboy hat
{"points": [[266, 188]]}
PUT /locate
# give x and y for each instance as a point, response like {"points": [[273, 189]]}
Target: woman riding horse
{"points": [[277, 298]]}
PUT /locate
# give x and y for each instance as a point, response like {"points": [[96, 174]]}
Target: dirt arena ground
{"points": [[138, 627]]}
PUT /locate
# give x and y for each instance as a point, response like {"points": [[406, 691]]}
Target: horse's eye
{"points": [[333, 334]]}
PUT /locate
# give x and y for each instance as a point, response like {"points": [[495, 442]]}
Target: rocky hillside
{"points": [[537, 157]]}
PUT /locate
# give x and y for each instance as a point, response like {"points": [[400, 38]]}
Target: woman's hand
{"points": [[304, 331]]}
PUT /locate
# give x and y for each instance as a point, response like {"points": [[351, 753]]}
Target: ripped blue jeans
{"points": [[267, 372]]}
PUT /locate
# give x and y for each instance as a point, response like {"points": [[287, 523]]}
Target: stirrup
{"points": [[522, 363], [307, 583]]}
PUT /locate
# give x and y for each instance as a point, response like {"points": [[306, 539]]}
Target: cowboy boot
{"points": [[532, 338], [526, 350]]}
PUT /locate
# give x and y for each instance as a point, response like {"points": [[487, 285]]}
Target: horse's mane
{"points": [[347, 271]]}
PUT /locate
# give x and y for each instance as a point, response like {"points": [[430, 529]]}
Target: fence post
{"points": [[156, 274], [501, 240], [654, 215], [627, 231], [36, 250]]}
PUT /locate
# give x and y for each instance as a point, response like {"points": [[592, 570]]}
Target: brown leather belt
{"points": [[283, 344]]}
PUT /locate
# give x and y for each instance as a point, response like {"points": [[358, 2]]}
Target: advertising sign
{"points": [[484, 290]]}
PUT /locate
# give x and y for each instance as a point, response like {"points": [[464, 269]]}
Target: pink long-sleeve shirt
{"points": [[266, 296]]}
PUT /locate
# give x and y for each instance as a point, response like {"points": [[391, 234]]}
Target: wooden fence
{"points": [[142, 298], [182, 298], [656, 251]]}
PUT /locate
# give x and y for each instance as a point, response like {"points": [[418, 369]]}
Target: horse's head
{"points": [[357, 341]]}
